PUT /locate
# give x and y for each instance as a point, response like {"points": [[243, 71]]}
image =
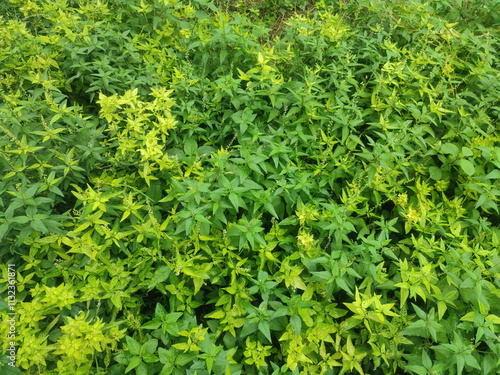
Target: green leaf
{"points": [[243, 127], [489, 363], [3, 230], [219, 314], [426, 360], [471, 361], [184, 358], [234, 200], [116, 299], [282, 311], [493, 175], [201, 15], [351, 271], [202, 219], [156, 21], [449, 148], [142, 369], [391, 255], [161, 274], [150, 346], [9, 370], [341, 283], [31, 191], [155, 191], [160, 311], [154, 324], [467, 166], [482, 199], [133, 346], [15, 204], [435, 173], [167, 356], [416, 329], [467, 151], [20, 220], [417, 369], [460, 363], [182, 346], [39, 226], [248, 328], [167, 369], [150, 358], [213, 7], [296, 324], [173, 317], [190, 146], [269, 207], [264, 328], [133, 363]]}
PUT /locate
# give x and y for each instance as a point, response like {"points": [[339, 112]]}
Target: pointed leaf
{"points": [[133, 346], [161, 274], [296, 324], [234, 200], [133, 364], [264, 328]]}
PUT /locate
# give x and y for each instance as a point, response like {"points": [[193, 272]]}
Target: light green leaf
{"points": [[181, 346], [161, 274], [202, 219], [219, 314], [467, 166], [493, 175], [467, 151], [154, 324], [296, 323], [449, 148], [417, 369], [435, 173]]}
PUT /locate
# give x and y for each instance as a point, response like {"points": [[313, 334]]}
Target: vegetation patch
{"points": [[250, 187]]}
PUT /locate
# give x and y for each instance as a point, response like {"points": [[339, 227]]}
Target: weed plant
{"points": [[251, 187]]}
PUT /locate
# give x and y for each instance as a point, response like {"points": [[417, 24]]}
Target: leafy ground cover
{"points": [[250, 187]]}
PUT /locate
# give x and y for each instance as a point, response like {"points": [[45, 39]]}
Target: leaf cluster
{"points": [[251, 187]]}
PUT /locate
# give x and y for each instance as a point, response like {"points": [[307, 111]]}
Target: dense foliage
{"points": [[251, 187]]}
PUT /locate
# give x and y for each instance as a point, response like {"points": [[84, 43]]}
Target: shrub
{"points": [[250, 187]]}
